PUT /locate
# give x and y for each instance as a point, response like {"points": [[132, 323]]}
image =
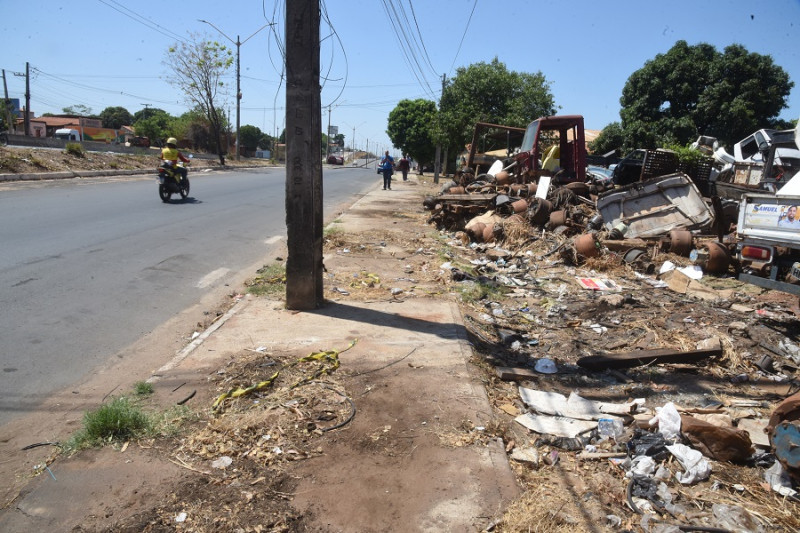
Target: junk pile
{"points": [[627, 293]]}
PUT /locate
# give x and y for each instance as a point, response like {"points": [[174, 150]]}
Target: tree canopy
{"points": [[157, 125], [489, 92], [116, 117], [196, 68], [695, 90], [409, 128]]}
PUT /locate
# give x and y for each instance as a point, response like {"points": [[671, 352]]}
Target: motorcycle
{"points": [[171, 182]]}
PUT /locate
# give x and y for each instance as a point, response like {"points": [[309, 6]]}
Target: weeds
{"points": [[75, 149], [142, 388], [271, 280]]}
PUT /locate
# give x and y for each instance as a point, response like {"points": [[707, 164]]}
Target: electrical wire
{"points": [[141, 20], [466, 28]]}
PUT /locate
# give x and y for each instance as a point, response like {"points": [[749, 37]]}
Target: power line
{"points": [[141, 20], [464, 35]]}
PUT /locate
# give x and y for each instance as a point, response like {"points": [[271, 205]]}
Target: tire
{"points": [[184, 188], [164, 193]]}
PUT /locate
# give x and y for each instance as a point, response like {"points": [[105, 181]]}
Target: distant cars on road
{"points": [[334, 159]]}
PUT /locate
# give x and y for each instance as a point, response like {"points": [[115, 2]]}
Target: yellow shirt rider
{"points": [[172, 154]]}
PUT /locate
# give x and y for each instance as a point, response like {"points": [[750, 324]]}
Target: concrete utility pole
{"points": [[27, 99], [10, 126], [303, 165]]}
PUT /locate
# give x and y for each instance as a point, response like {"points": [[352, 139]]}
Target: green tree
{"points": [[611, 138], [116, 117], [409, 128], [146, 113], [79, 110], [250, 137], [695, 90], [489, 92], [156, 126], [197, 68]]}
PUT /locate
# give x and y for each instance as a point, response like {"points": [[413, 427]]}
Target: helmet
{"points": [[172, 140]]}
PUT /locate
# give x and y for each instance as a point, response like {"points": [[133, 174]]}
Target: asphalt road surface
{"points": [[89, 266]]}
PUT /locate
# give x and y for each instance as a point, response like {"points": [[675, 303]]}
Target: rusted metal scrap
{"points": [[784, 434], [644, 357]]}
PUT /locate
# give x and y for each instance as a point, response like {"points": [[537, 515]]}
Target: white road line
{"points": [[211, 277]]}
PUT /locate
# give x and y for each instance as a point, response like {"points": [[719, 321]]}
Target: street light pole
{"points": [[238, 44]]}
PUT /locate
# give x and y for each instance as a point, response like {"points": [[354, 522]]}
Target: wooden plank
{"points": [[644, 357], [508, 373]]}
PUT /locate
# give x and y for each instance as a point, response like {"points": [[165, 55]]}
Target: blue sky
{"points": [[102, 53]]}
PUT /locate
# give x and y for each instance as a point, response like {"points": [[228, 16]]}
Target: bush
{"points": [[75, 149]]}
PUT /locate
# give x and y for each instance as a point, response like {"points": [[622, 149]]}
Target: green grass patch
{"points": [[270, 281], [120, 420], [475, 291], [75, 149], [142, 388]]}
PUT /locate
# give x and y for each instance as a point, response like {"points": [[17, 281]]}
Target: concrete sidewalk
{"points": [[432, 391], [410, 369]]}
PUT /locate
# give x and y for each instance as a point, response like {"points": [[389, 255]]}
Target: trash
{"points": [[545, 366], [650, 444], [696, 467], [668, 420], [721, 444], [610, 428], [642, 466], [222, 462], [527, 455], [598, 284], [644, 357], [779, 480], [181, 517], [555, 425], [553, 403], [735, 518]]}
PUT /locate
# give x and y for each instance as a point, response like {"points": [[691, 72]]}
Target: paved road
{"points": [[87, 267]]}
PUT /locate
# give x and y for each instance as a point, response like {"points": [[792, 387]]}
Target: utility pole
{"points": [[146, 110], [6, 106], [438, 163], [304, 289], [328, 136], [27, 99]]}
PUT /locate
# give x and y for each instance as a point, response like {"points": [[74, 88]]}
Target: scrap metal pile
{"points": [[598, 289]]}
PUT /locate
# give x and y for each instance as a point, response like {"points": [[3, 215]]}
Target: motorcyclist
{"points": [[170, 154]]}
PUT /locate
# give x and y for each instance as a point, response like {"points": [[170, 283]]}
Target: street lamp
{"points": [[238, 90]]}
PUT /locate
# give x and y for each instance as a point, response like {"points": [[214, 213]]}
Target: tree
{"points": [[146, 113], [409, 128], [156, 126], [116, 117], [489, 92], [611, 138], [696, 90], [249, 137], [78, 110], [197, 68]]}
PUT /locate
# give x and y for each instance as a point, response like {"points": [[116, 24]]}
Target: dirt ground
{"points": [[23, 160], [286, 434]]}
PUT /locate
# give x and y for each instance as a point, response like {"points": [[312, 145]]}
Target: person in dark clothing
{"points": [[404, 167], [387, 169]]}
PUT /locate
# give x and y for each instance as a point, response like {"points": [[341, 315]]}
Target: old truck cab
{"points": [[554, 146]]}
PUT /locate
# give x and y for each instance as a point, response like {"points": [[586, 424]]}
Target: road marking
{"points": [[211, 277]]}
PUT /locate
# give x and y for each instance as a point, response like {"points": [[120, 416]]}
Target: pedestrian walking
{"points": [[404, 166], [387, 169]]}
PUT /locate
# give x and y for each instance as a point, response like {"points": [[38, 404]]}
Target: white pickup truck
{"points": [[768, 229], [769, 238]]}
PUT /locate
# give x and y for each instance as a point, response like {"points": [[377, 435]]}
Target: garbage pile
{"points": [[607, 290]]}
